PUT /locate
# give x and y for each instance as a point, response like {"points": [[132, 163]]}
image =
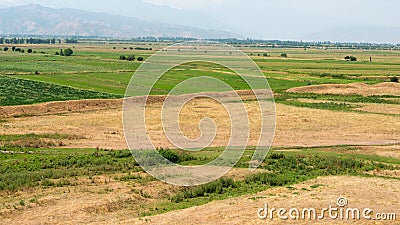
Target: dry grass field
{"points": [[101, 125], [354, 88]]}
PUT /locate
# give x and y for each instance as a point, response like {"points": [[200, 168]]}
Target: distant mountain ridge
{"points": [[35, 19]]}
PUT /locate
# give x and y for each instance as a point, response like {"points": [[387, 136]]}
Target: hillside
{"points": [[35, 19]]}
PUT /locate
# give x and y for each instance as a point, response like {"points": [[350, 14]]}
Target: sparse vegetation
{"points": [[286, 169], [41, 167]]}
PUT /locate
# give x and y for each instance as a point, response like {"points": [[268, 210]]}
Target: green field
{"points": [[97, 72]]}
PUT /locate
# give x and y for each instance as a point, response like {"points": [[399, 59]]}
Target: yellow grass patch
{"points": [[348, 89]]}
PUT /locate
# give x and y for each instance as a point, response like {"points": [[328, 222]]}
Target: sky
{"points": [[269, 19]]}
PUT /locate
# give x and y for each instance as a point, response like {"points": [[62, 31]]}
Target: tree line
{"points": [[62, 52], [16, 40]]}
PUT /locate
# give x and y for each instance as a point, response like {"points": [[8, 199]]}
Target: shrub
{"points": [[144, 49], [394, 79], [215, 187], [350, 58], [140, 59], [277, 156], [68, 52], [131, 58], [5, 49], [270, 179], [170, 155], [30, 51], [284, 55], [122, 57]]}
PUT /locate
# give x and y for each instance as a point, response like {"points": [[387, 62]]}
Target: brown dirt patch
{"points": [[52, 108], [392, 151], [391, 109], [380, 108], [348, 89]]}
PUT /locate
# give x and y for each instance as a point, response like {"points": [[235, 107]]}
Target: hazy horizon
{"points": [[308, 20]]}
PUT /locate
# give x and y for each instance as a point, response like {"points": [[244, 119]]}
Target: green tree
{"points": [[131, 58], [140, 59], [350, 58], [5, 49], [394, 79], [30, 51], [68, 52]]}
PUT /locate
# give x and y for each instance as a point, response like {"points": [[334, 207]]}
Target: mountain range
{"points": [[34, 19]]}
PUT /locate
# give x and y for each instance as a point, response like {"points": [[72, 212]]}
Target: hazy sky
{"points": [[269, 19]]}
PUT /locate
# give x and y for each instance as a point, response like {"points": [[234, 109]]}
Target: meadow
{"points": [[98, 70]]}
